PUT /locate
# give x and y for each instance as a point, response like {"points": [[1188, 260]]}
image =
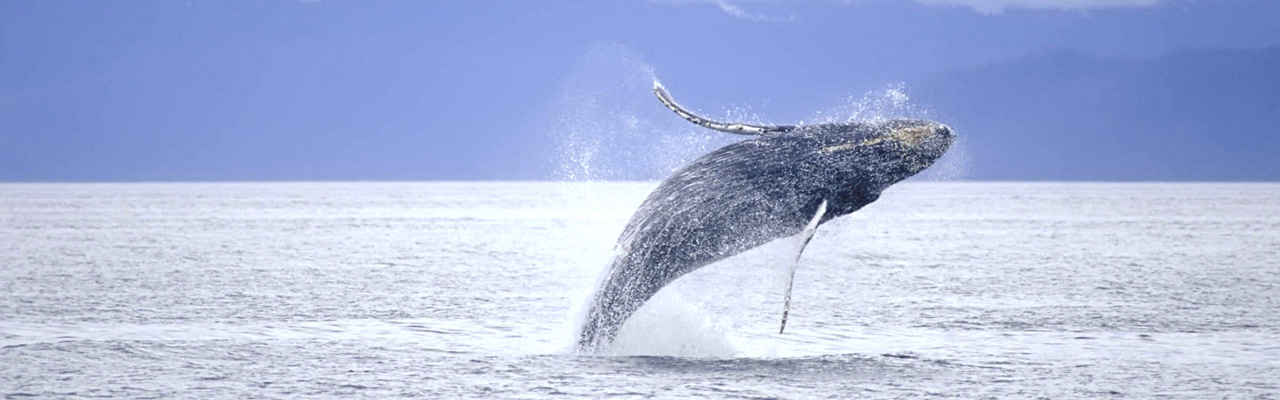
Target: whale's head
{"points": [[884, 152], [878, 153]]}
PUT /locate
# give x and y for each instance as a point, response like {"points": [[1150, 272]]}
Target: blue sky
{"points": [[387, 90]]}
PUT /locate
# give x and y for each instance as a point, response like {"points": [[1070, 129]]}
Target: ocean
{"points": [[473, 289]]}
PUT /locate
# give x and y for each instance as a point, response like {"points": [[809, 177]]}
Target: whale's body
{"points": [[747, 194]]}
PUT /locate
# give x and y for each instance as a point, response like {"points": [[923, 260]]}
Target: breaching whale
{"points": [[785, 181]]}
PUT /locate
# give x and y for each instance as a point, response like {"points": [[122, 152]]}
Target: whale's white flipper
{"points": [[802, 241], [729, 127]]}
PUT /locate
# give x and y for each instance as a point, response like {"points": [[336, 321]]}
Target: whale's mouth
{"points": [[917, 144], [915, 136], [910, 137]]}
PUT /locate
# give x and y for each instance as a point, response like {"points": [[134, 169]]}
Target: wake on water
{"points": [[609, 127]]}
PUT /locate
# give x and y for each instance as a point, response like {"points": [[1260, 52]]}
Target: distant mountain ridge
{"points": [[1191, 115]]}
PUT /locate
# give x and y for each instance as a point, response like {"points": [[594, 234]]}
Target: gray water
{"points": [[447, 290]]}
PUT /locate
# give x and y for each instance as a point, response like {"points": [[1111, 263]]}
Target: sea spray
{"points": [[608, 127], [670, 325]]}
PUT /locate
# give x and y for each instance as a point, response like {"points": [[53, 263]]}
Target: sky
{"points": [[516, 90]]}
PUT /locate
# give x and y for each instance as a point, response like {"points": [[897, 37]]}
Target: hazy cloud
{"points": [[997, 6], [738, 12], [733, 8]]}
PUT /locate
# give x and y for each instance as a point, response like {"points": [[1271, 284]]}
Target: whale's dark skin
{"points": [[749, 193]]}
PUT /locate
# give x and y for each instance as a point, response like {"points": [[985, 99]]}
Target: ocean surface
{"points": [[473, 290]]}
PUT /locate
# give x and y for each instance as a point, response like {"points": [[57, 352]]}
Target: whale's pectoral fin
{"points": [[802, 240], [729, 127]]}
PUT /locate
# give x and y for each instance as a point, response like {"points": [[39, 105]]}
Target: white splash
{"points": [[667, 325], [609, 127]]}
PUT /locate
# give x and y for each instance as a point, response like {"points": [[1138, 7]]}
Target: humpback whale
{"points": [[784, 181]]}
